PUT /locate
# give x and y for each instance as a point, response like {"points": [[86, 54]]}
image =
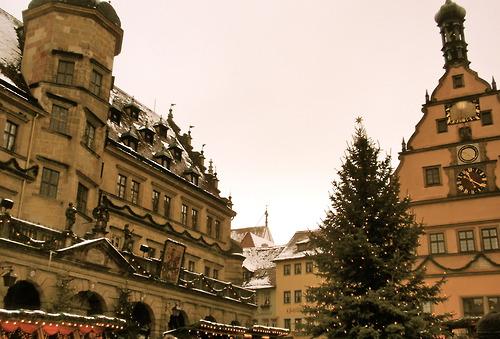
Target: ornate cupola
{"points": [[450, 19]]}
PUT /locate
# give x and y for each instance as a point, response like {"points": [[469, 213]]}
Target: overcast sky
{"points": [[273, 87]]}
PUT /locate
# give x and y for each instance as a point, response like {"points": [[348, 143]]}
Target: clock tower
{"points": [[450, 168]]}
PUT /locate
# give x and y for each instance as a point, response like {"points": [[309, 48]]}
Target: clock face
{"points": [[462, 111], [471, 180], [468, 153]]}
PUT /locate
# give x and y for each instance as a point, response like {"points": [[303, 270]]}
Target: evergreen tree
{"points": [[365, 256]]}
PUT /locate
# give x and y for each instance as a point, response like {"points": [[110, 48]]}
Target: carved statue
{"points": [[70, 216], [101, 216], [128, 241]]}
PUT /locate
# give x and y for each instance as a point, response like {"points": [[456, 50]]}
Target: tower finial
{"points": [[267, 217], [450, 19], [493, 84], [426, 96], [170, 111]]}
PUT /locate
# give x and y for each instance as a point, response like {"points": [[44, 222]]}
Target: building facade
{"points": [[450, 168], [110, 200]]}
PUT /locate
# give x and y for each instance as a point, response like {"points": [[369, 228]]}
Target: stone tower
{"points": [[68, 55]]}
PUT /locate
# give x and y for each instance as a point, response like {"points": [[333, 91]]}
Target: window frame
{"points": [[82, 198], [89, 135], [195, 218], [466, 241], [297, 296], [483, 238], [297, 268], [121, 186], [209, 228], [135, 187], [470, 299], [49, 183], [167, 206], [486, 118], [427, 170], [95, 85], [155, 201], [287, 297], [10, 133], [184, 214], [218, 229], [458, 81], [59, 119], [441, 125], [65, 76], [443, 242], [287, 269], [309, 267]]}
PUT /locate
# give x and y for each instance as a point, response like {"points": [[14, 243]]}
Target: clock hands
{"points": [[474, 182]]}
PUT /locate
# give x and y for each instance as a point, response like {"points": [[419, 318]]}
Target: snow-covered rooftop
{"points": [[292, 251]]}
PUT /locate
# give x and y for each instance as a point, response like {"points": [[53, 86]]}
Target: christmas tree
{"points": [[365, 256]]}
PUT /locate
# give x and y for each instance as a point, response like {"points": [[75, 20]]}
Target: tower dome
{"points": [[450, 11], [103, 7]]}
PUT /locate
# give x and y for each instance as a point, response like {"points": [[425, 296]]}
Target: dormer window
{"points": [[131, 143], [148, 134], [458, 81], [130, 139], [176, 151], [133, 110], [192, 175], [164, 158], [115, 116], [161, 129], [194, 179]]}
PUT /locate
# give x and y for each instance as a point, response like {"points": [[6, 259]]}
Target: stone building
{"points": [[450, 168], [112, 205]]}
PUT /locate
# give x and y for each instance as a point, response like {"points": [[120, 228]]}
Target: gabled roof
{"points": [[259, 261], [105, 254], [291, 250], [261, 231]]}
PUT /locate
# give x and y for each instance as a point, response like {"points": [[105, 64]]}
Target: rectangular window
{"points": [[96, 82], [297, 296], [286, 269], [494, 304], [166, 206], [215, 274], [437, 243], [210, 222], [432, 177], [65, 71], [486, 118], [442, 125], [473, 307], [490, 239], [287, 323], [184, 214], [81, 198], [50, 181], [218, 231], [59, 119], [309, 267], [458, 81], [9, 135], [191, 266], [89, 136], [155, 200], [121, 186], [287, 295], [466, 241], [298, 324], [297, 268], [134, 192], [194, 219], [207, 271]]}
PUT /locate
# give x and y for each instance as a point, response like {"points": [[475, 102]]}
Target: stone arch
{"points": [[144, 317], [178, 318], [88, 303], [23, 294]]}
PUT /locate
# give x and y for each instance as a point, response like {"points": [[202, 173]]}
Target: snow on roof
{"points": [[259, 282], [10, 53], [261, 231], [291, 251], [257, 258], [260, 242]]}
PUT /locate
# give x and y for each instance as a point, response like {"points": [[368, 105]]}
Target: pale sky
{"points": [[273, 87]]}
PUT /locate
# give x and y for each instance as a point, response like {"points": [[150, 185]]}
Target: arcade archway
{"points": [[88, 303], [22, 295], [143, 317]]}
